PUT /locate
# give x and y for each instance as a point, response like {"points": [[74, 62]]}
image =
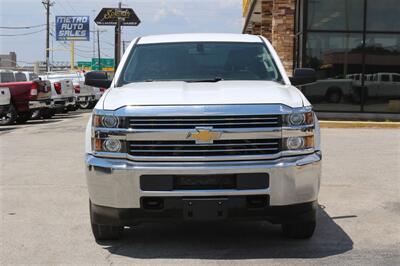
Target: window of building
{"points": [[354, 45], [383, 15], [335, 15]]}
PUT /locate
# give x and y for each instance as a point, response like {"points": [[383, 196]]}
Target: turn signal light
{"points": [[97, 144], [309, 142]]}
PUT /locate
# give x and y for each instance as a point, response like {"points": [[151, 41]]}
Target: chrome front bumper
{"points": [[116, 182]]}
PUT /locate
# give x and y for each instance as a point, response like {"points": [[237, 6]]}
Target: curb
{"points": [[358, 124]]}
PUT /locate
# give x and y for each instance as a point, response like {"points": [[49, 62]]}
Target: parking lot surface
{"points": [[45, 217]]}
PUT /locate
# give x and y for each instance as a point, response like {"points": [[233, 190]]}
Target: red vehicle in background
{"points": [[26, 97]]}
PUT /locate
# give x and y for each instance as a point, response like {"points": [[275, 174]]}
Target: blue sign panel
{"points": [[72, 28]]}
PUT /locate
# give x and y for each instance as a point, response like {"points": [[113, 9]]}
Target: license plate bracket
{"points": [[205, 208]]}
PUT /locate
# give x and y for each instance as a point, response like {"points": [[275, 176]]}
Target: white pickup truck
{"points": [[383, 85], [202, 127], [86, 96], [62, 95]]}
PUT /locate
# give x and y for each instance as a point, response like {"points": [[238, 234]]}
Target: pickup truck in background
{"points": [[202, 127], [86, 96], [330, 90], [26, 97], [62, 94], [383, 85]]}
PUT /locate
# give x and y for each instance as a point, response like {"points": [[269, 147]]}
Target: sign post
{"points": [[117, 17], [72, 28]]}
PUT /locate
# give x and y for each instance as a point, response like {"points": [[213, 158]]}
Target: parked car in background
{"points": [[86, 96], [62, 95], [330, 90], [5, 102], [26, 97]]}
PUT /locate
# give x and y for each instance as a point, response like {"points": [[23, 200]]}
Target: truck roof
{"points": [[200, 37]]}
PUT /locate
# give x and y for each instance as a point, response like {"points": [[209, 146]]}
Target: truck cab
{"points": [[201, 127], [384, 85]]}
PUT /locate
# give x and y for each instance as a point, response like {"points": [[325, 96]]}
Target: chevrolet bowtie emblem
{"points": [[204, 135]]}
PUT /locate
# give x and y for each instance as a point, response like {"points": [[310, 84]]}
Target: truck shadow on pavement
{"points": [[231, 240]]}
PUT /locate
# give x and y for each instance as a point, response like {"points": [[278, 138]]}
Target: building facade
{"points": [[8, 60], [354, 46]]}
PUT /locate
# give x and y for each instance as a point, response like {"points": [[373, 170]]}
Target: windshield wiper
{"points": [[216, 79]]}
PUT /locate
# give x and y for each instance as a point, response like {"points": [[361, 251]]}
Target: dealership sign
{"points": [[72, 28], [111, 16]]}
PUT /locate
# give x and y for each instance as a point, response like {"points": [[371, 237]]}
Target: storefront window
{"points": [[383, 15], [357, 57], [337, 59], [382, 62], [335, 15]]}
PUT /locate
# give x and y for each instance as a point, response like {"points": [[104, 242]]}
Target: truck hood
{"points": [[202, 93]]}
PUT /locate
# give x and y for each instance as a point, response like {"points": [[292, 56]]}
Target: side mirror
{"points": [[303, 76], [97, 79]]}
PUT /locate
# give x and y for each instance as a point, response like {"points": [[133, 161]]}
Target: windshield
{"points": [[200, 61]]}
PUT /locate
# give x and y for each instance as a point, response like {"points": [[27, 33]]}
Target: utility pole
{"points": [[94, 34], [47, 4], [117, 45], [72, 46], [98, 48]]}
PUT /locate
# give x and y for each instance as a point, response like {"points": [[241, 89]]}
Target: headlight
{"points": [[299, 143], [296, 119], [295, 143], [112, 145], [108, 121], [300, 119]]}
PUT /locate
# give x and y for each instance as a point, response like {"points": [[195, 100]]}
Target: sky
{"points": [[157, 17]]}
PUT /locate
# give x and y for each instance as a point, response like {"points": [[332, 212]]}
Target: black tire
{"points": [[9, 116], [334, 95], [48, 113], [105, 232], [301, 230], [23, 117], [65, 110]]}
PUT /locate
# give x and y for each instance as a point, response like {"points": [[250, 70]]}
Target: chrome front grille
{"points": [[189, 148], [191, 122]]}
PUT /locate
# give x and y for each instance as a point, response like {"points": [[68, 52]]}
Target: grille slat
{"points": [[200, 145], [183, 122], [207, 150], [190, 148]]}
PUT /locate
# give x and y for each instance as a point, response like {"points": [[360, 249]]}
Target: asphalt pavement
{"points": [[45, 217]]}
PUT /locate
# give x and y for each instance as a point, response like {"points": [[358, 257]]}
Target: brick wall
{"points": [[277, 25]]}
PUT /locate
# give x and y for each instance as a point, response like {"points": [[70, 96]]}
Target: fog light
{"points": [[110, 121], [295, 143], [112, 145], [296, 119]]}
